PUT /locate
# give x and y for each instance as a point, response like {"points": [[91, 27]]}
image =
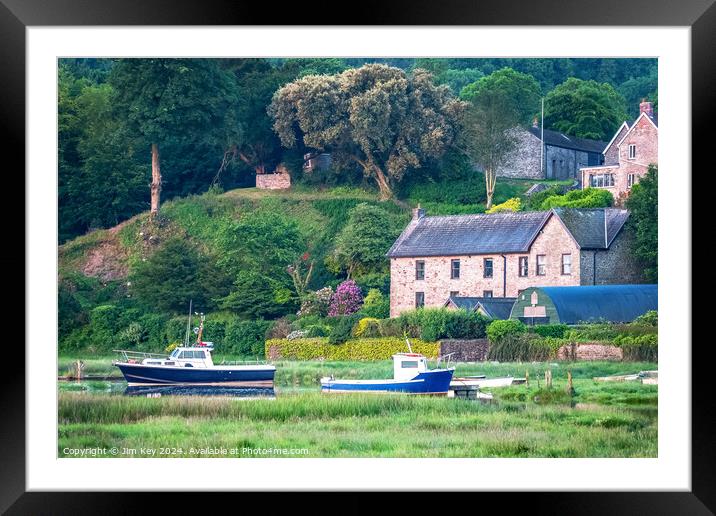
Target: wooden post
{"points": [[548, 378], [570, 387], [527, 378], [79, 366]]}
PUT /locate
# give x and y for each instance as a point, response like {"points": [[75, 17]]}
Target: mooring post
{"points": [[548, 378], [570, 388], [78, 376], [527, 378]]}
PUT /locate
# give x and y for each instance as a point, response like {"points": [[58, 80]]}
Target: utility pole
{"points": [[541, 153]]}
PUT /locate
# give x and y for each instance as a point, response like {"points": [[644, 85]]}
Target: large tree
{"points": [[379, 117], [181, 104], [643, 219], [499, 104], [586, 109]]}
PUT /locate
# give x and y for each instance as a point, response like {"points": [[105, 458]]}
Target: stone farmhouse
{"points": [[551, 155], [502, 254], [627, 156]]}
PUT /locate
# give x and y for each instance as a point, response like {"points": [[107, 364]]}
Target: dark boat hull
{"points": [[429, 382], [139, 374]]}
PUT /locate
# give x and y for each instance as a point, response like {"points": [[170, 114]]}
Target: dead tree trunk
{"points": [[156, 186]]}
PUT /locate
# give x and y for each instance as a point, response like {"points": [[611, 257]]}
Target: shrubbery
{"points": [[497, 330], [523, 347], [587, 198], [437, 323], [343, 329], [357, 349]]}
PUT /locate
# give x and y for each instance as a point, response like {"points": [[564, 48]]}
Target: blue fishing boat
{"points": [[191, 364], [410, 375]]}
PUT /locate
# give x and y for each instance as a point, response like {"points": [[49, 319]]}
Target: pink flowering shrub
{"points": [[348, 299]]}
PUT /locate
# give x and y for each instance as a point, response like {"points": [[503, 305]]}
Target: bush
{"points": [[245, 338], [316, 303], [587, 198], [367, 327], [376, 305], [551, 330], [279, 329], [513, 204], [347, 299], [650, 318], [317, 330], [439, 323], [354, 349], [642, 348], [343, 330], [497, 330], [104, 326], [522, 347]]}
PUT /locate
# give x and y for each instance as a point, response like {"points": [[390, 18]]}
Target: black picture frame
{"points": [[700, 15]]}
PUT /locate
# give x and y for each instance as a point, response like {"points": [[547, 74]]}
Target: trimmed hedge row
{"points": [[357, 349]]}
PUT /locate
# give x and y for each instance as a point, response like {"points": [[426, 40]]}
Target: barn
{"points": [[581, 304]]}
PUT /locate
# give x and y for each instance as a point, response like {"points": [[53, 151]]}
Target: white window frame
{"points": [[632, 151]]}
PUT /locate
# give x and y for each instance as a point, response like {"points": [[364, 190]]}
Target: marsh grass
{"points": [[356, 426]]}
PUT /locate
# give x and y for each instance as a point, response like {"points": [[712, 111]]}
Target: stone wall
{"points": [[471, 350], [615, 266], [525, 160], [281, 181], [589, 351]]}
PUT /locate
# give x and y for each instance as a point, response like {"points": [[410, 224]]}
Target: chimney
{"points": [[646, 107], [418, 213]]}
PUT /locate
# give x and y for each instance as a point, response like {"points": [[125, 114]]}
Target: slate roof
{"points": [[495, 307], [557, 139], [614, 303], [587, 225], [457, 235], [506, 232]]}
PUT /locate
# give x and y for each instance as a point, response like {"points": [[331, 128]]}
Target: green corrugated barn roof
{"points": [[591, 303]]}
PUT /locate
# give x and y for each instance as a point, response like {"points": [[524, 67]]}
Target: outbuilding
{"points": [[582, 304]]}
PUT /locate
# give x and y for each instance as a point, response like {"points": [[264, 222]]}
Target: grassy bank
{"points": [[600, 420]]}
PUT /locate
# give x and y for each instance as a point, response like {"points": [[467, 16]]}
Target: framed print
{"points": [[452, 210]]}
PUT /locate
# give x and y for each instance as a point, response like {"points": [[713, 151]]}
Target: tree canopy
{"points": [[586, 109], [380, 117]]}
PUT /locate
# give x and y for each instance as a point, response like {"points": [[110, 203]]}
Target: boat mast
{"points": [[201, 329], [188, 326]]}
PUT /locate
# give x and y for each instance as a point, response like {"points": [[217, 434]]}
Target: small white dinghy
{"points": [[481, 382]]}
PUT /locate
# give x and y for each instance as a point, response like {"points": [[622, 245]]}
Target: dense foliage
{"points": [[643, 202], [587, 198], [586, 109]]}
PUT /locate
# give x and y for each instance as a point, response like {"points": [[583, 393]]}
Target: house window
{"points": [[454, 293], [454, 269], [487, 268], [419, 299], [487, 293], [632, 151], [566, 264], [601, 180], [523, 268], [541, 267], [631, 180], [419, 270]]}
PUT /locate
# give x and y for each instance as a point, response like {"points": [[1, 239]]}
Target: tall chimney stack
{"points": [[418, 213], [646, 107]]}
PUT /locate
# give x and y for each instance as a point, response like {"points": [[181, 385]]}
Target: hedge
{"points": [[356, 349], [524, 347]]}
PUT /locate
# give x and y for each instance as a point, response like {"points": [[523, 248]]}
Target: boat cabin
{"points": [[185, 357], [407, 366]]}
